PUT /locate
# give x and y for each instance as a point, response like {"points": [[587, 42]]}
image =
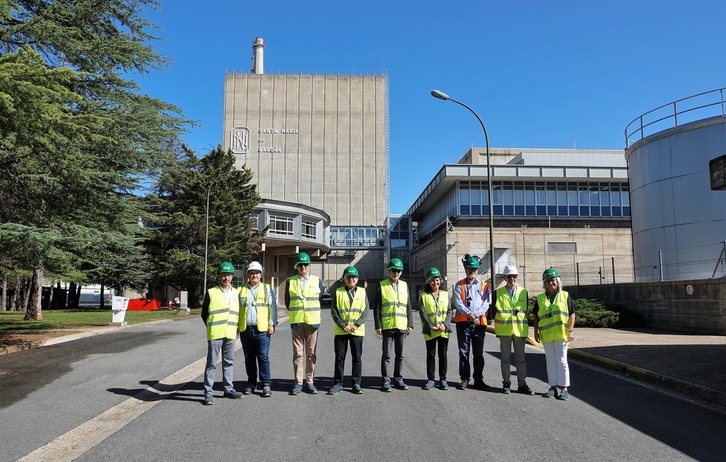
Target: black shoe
{"points": [[481, 386]]}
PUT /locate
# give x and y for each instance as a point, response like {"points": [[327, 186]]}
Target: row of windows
{"points": [[281, 225], [530, 198], [348, 236]]}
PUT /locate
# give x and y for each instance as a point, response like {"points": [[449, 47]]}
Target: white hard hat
{"points": [[255, 266], [510, 269]]}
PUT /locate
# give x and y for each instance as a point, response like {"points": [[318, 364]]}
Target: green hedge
{"points": [[594, 313]]}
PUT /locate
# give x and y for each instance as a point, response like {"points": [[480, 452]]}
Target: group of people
{"points": [[251, 313]]}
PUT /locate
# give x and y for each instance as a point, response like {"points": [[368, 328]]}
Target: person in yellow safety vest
{"points": [[554, 324], [509, 308], [349, 310], [257, 321], [436, 324], [393, 318], [471, 300], [303, 297], [220, 313]]}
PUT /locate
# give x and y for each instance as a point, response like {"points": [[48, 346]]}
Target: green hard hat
{"points": [[470, 261], [226, 267], [550, 273], [303, 258], [350, 271], [396, 264], [432, 273]]}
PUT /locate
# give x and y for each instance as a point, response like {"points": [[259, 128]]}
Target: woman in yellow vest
{"points": [[509, 307], [220, 313], [554, 324], [257, 321], [349, 310], [436, 323]]}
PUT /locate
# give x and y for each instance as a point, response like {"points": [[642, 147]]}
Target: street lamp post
{"points": [[445, 97]]}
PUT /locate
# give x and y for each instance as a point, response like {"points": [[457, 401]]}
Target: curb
{"points": [[680, 386], [665, 381]]}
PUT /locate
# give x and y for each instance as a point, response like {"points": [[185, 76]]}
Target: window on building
{"points": [[583, 196], [361, 237], [464, 198], [594, 201], [476, 198], [309, 229], [572, 208], [605, 200], [562, 199], [281, 225], [529, 204]]}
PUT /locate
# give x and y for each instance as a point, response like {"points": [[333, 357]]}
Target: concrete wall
{"points": [[317, 140], [695, 306]]}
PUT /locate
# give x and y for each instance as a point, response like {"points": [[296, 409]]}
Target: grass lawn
{"points": [[15, 331]]}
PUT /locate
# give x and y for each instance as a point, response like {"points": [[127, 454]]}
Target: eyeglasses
{"points": [[394, 270], [303, 264], [550, 281], [511, 276]]}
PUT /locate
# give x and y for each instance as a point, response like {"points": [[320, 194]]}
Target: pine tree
{"points": [[179, 207], [76, 138]]}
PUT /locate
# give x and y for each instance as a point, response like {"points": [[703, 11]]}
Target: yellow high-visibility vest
{"points": [[553, 317], [349, 311], [511, 316], [394, 305], [223, 316], [262, 301], [435, 314], [304, 304]]}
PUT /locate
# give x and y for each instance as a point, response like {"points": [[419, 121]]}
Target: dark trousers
{"points": [[441, 344], [356, 351], [256, 347], [471, 342], [393, 339]]}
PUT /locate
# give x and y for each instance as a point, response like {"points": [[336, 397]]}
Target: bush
{"points": [[594, 313]]}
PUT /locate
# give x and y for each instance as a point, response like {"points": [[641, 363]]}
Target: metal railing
{"points": [[694, 107]]}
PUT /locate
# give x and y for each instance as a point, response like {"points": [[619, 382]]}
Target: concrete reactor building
{"points": [[318, 148]]}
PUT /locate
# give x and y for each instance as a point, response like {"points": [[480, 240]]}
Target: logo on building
{"points": [[240, 140]]}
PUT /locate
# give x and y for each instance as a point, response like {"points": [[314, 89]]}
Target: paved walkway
{"points": [[690, 364]]}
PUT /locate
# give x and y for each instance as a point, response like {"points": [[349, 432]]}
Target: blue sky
{"points": [[541, 74]]}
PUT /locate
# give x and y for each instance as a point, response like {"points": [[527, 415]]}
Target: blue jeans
{"points": [[256, 347], [471, 342], [226, 346]]}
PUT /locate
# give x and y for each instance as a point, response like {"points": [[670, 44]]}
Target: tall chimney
{"points": [[258, 59]]}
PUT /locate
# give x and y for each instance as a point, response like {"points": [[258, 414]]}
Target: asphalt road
{"points": [[100, 398]]}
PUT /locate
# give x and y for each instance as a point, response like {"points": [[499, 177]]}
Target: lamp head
{"points": [[439, 95]]}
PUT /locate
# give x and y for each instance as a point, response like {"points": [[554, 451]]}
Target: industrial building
{"points": [[569, 209]]}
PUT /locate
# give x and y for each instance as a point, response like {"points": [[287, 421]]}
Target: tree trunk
{"points": [[5, 295], [73, 295], [102, 302], [33, 310]]}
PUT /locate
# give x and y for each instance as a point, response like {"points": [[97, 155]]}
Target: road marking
{"points": [[74, 443]]}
